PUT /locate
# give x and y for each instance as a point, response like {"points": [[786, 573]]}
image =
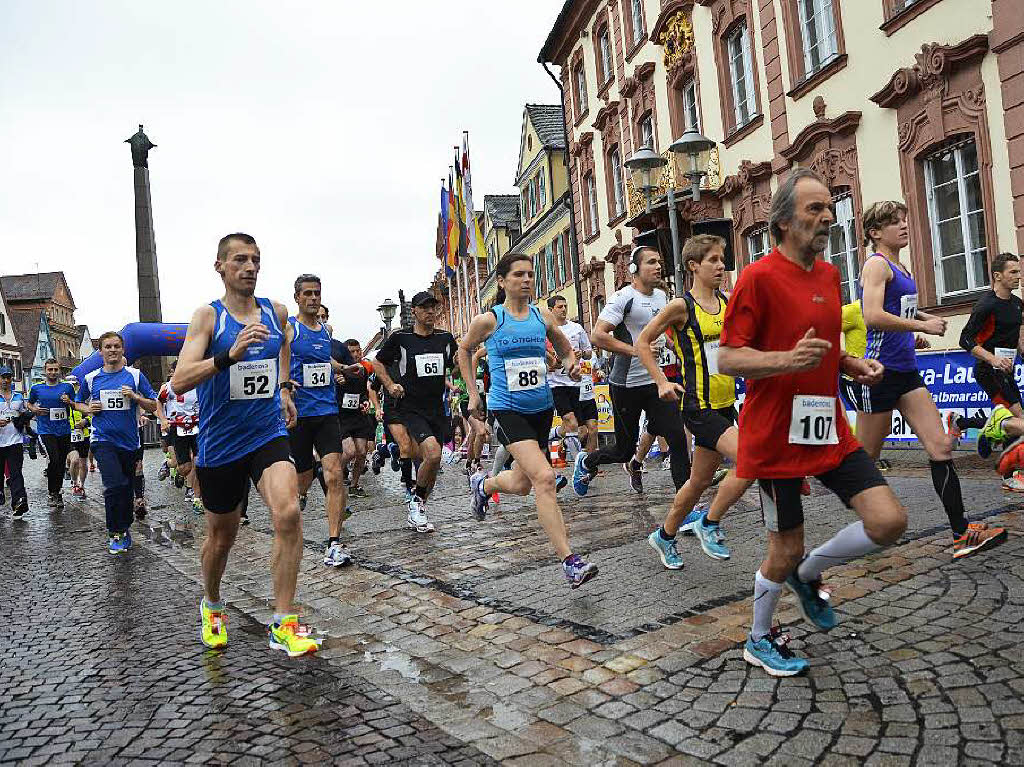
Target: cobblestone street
{"points": [[466, 646]]}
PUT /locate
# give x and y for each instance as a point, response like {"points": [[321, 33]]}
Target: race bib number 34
{"points": [[525, 373], [114, 399], [316, 374], [813, 421], [253, 379], [429, 365]]}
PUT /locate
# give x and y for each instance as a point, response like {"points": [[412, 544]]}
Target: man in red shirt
{"points": [[781, 334]]}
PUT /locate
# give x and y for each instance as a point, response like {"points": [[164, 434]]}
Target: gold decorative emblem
{"points": [[677, 38]]}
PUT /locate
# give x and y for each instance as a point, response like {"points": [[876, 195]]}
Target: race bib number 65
{"points": [[253, 379], [428, 365], [813, 421]]}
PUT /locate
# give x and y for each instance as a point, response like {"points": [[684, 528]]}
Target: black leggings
{"points": [[12, 457], [663, 420], [57, 449]]}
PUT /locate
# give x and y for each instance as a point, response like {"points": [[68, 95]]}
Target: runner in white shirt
{"points": [[566, 392]]}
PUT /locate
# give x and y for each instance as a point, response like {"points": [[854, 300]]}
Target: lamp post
{"points": [[641, 165], [387, 311], [697, 149]]}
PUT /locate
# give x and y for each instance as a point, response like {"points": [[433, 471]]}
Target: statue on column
{"points": [[141, 145]]}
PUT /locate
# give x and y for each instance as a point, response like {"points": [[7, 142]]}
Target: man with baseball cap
{"points": [[423, 357]]}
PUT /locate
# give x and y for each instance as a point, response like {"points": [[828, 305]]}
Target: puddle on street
{"points": [[394, 660]]}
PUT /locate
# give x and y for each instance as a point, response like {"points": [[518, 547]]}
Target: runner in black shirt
{"points": [[992, 335], [423, 357], [357, 425]]}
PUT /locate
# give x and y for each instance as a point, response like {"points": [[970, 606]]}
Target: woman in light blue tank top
{"points": [[516, 333], [889, 302]]}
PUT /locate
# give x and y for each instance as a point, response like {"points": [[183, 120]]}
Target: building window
{"points": [[3, 324], [818, 30], [842, 247], [647, 131], [549, 257], [957, 218], [492, 257], [741, 75], [560, 259], [758, 244], [638, 19], [591, 204], [543, 191], [604, 51], [531, 189], [618, 192], [581, 90], [691, 117]]}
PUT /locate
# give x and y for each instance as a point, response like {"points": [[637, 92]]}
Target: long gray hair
{"points": [[784, 200]]}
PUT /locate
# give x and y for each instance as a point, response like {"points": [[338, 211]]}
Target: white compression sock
{"points": [[849, 543], [766, 596]]}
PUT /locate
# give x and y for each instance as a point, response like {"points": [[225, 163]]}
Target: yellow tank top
{"points": [[697, 347], [79, 424], [855, 332]]}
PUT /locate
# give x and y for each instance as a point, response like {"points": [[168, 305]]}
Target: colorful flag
{"points": [[449, 268], [460, 206], [476, 247], [452, 250]]}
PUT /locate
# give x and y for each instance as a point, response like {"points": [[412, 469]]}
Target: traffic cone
{"points": [[557, 459]]}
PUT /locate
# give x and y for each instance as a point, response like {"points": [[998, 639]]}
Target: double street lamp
{"points": [[642, 166]]}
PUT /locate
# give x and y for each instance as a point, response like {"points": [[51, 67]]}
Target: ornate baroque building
{"points": [[920, 100]]}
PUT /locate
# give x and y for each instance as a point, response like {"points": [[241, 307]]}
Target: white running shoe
{"points": [[417, 518], [335, 556]]}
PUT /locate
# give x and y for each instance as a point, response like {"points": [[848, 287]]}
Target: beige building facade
{"points": [[919, 100]]}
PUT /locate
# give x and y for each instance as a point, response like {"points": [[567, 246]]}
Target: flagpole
{"points": [[476, 266]]}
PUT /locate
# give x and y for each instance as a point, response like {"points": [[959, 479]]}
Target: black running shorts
{"points": [[422, 426], [320, 431], [81, 447], [707, 425], [852, 393], [587, 411], [567, 399], [167, 440], [226, 488], [782, 505], [185, 448], [885, 395], [512, 427], [1000, 387], [357, 425]]}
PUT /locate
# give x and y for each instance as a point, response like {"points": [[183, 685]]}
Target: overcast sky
{"points": [[321, 128]]}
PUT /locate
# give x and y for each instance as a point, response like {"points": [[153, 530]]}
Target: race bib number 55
{"points": [[813, 421], [253, 379], [114, 399]]}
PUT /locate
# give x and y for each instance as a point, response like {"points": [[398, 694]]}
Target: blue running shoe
{"points": [[772, 654], [119, 543], [711, 539], [396, 457], [560, 482], [580, 476], [815, 609], [577, 572], [694, 517], [478, 499], [666, 550], [126, 540]]}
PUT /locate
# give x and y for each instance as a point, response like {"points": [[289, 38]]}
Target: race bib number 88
{"points": [[525, 373], [813, 421], [253, 379]]}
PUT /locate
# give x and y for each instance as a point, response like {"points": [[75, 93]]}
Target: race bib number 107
{"points": [[813, 421]]}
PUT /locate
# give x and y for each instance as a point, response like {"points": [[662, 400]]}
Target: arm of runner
{"points": [[479, 329], [371, 393], [192, 369], [284, 363], [980, 314], [743, 361], [875, 275], [602, 338], [674, 313], [30, 403], [563, 348]]}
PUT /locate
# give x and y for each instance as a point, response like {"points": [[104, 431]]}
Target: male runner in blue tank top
{"points": [[317, 423], [889, 302], [236, 352]]}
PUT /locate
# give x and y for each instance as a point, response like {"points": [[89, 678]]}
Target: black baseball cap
{"points": [[423, 298]]}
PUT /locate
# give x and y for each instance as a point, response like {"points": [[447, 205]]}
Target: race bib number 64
{"points": [[813, 421]]}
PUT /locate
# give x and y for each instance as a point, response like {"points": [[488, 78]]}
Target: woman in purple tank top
{"points": [[889, 302]]}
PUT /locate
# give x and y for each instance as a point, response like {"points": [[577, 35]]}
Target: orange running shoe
{"points": [[951, 427], [978, 536]]}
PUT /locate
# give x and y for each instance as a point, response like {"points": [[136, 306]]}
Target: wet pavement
{"points": [[467, 646]]}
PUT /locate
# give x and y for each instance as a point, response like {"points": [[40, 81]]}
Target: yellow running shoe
{"points": [[292, 638], [215, 626]]}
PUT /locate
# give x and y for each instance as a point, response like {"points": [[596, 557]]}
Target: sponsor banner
{"points": [[605, 419]]}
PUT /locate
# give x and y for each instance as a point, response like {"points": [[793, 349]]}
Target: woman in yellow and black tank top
{"points": [[697, 347]]}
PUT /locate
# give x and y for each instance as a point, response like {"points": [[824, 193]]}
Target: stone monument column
{"points": [[145, 251]]}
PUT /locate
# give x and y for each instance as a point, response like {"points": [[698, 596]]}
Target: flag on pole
{"points": [[476, 247], [449, 268], [452, 251], [460, 207]]}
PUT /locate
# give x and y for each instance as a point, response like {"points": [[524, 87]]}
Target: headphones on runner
{"points": [[634, 267]]}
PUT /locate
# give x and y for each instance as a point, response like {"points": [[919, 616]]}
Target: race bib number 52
{"points": [[813, 421], [253, 379]]}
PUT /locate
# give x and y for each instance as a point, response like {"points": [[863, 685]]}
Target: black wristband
{"points": [[287, 385], [223, 361]]}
